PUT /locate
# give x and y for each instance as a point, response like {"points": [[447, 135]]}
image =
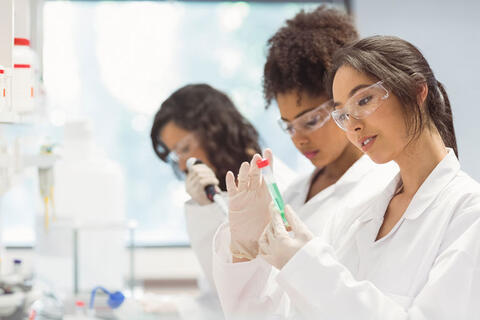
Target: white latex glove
{"points": [[277, 246], [247, 208], [199, 176]]}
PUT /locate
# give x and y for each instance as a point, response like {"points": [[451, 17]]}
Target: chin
{"points": [[319, 163], [379, 158]]}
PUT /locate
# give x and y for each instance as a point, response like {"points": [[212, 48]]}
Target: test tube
{"points": [[267, 174]]}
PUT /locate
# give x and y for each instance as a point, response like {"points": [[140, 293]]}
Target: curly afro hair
{"points": [[300, 53]]}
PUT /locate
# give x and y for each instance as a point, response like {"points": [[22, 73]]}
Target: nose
{"points": [[300, 138], [182, 164], [353, 125]]}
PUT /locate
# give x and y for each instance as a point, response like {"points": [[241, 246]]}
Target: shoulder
{"points": [[462, 196], [463, 192], [298, 184]]}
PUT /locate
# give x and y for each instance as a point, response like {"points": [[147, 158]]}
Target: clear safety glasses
{"points": [[181, 151], [362, 104], [310, 121]]}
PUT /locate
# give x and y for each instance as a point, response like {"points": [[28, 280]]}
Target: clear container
{"points": [[267, 174], [80, 309], [23, 80]]}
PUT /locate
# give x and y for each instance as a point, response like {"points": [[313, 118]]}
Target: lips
{"points": [[310, 154], [367, 142]]}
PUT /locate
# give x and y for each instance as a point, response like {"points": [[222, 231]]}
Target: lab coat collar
{"points": [[357, 171], [376, 207], [438, 179], [354, 174]]}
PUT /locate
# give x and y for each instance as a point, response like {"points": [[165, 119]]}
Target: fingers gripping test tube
{"points": [[267, 174]]}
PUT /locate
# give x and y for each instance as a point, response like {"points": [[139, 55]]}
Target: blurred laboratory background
{"points": [[84, 200]]}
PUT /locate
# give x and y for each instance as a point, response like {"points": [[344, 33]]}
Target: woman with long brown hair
{"points": [[413, 251]]}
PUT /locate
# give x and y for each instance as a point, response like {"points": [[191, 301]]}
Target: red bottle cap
{"points": [[21, 42], [263, 163]]}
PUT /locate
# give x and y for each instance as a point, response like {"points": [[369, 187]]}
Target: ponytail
{"points": [[441, 114]]}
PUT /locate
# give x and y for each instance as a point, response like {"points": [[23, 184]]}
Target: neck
{"points": [[346, 159], [418, 160]]}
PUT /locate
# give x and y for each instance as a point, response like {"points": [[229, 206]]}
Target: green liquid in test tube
{"points": [[272, 187]]}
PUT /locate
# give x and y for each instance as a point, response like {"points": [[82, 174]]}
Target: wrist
{"points": [[243, 253]]}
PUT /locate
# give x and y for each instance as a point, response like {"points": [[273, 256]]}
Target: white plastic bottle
{"points": [[23, 80], [89, 190]]}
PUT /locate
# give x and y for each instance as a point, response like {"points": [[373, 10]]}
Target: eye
{"points": [[343, 117], [289, 128], [184, 149], [312, 122], [364, 101]]}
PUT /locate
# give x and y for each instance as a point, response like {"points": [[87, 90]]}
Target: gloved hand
{"points": [[199, 176], [247, 208], [277, 246]]}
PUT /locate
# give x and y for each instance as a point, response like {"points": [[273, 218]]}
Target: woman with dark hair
{"points": [[195, 121], [411, 252], [299, 57], [202, 122]]}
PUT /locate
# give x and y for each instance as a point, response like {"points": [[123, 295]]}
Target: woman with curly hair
{"points": [[202, 122], [299, 58], [413, 250]]}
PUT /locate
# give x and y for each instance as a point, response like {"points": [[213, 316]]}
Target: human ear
{"points": [[422, 92]]}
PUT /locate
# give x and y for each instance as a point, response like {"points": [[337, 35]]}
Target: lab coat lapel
{"points": [[365, 228], [438, 179], [346, 182]]}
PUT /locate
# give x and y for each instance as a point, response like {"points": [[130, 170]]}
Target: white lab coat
{"points": [[427, 267], [202, 222], [319, 209], [361, 182]]}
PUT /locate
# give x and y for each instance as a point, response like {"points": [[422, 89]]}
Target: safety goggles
{"points": [[181, 151], [362, 104], [310, 121]]}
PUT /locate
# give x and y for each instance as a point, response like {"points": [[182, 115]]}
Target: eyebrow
{"points": [[298, 115], [352, 92]]}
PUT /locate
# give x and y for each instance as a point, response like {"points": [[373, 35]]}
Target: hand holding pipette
{"points": [[202, 184]]}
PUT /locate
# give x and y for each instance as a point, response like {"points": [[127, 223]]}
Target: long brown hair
{"points": [[227, 137], [402, 67]]}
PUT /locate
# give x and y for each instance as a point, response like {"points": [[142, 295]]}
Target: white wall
{"points": [[448, 34]]}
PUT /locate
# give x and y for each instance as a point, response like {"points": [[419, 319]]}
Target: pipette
{"points": [[210, 190], [267, 174]]}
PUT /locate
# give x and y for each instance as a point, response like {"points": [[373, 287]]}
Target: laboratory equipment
{"points": [[3, 89], [114, 301], [46, 184], [90, 210], [48, 306], [210, 190], [267, 174], [23, 81], [80, 308], [15, 288]]}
